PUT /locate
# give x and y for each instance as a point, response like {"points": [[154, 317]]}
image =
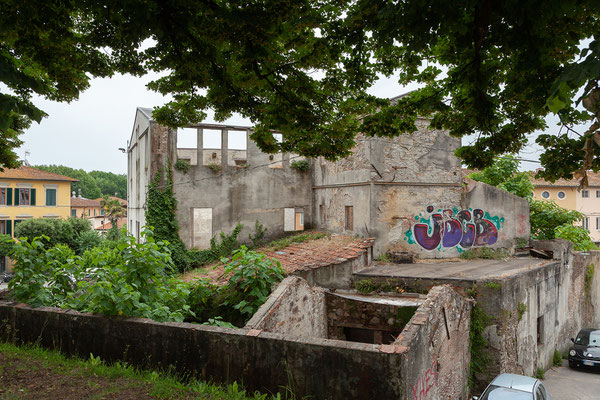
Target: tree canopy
{"points": [[93, 184], [490, 69]]}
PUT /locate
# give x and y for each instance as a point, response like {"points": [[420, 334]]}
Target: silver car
{"points": [[514, 387]]}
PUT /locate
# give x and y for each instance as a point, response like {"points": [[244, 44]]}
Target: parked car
{"points": [[514, 387], [586, 349]]}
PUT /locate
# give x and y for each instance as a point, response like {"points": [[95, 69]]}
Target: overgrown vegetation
{"points": [[297, 238], [546, 216], [480, 359], [300, 165], [182, 165], [504, 174], [579, 236], [94, 377], [589, 277], [367, 286], [135, 279], [258, 235], [384, 257], [216, 251], [484, 252], [493, 285], [214, 167], [161, 216]]}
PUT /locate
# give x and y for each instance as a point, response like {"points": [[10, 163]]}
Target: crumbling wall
{"points": [[375, 321], [436, 347], [269, 362], [293, 309]]}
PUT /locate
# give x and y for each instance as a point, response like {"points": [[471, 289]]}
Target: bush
{"points": [[579, 236], [55, 231], [545, 216], [87, 240], [300, 165], [228, 244], [182, 165], [7, 245]]}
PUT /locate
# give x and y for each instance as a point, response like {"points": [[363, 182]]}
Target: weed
{"points": [[216, 251], [384, 257], [521, 242], [493, 285], [521, 309], [214, 167], [480, 358], [556, 358], [565, 355], [539, 373], [485, 253], [259, 233], [300, 165], [182, 165], [589, 276], [300, 238]]}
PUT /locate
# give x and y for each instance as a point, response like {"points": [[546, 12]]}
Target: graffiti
{"points": [[454, 228], [522, 224], [425, 382]]}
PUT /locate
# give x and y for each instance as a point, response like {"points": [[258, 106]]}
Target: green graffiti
{"points": [[409, 237]]}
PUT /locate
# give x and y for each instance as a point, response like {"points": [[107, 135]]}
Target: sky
{"points": [[87, 133]]}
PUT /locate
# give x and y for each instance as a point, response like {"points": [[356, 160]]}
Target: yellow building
{"points": [[27, 193]]}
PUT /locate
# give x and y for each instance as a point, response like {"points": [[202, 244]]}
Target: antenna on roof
{"points": [[27, 154]]}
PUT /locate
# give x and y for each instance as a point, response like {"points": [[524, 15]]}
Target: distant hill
{"points": [[93, 184]]}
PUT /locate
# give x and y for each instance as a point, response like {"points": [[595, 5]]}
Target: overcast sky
{"points": [[88, 133]]}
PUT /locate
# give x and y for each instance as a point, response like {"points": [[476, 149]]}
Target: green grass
{"points": [[557, 358], [113, 380], [539, 373], [521, 309], [299, 238]]}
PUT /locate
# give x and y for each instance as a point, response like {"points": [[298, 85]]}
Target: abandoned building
{"points": [[395, 190]]}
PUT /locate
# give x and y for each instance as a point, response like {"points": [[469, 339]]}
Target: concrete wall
{"points": [[270, 362], [336, 276], [293, 309], [436, 348], [240, 194]]}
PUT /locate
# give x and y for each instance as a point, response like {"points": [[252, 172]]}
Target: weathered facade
{"points": [[407, 192]]}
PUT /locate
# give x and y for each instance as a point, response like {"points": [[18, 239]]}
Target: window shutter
{"points": [[9, 227], [16, 197], [32, 197], [9, 197]]}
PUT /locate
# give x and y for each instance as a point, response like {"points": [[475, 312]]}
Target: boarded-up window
{"points": [[289, 219], [349, 225], [202, 227], [299, 220]]}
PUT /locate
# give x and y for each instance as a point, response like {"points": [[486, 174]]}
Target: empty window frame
{"points": [[540, 330], [349, 218]]}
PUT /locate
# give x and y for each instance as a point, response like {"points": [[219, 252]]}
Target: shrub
{"points": [[214, 167], [7, 245], [545, 216], [259, 233], [300, 165], [87, 240], [216, 251], [182, 165], [579, 236], [54, 231]]}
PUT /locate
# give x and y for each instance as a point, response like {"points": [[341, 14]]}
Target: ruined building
{"points": [[407, 192]]}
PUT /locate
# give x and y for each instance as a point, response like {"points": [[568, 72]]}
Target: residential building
{"points": [[568, 194], [91, 209], [27, 193]]}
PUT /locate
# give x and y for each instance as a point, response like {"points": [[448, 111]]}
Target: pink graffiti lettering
{"points": [[425, 382], [466, 229]]}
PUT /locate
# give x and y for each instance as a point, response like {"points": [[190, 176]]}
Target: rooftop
{"points": [[28, 173], [459, 270]]}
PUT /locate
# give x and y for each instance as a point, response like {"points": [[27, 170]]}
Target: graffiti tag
{"points": [[425, 382], [452, 228]]}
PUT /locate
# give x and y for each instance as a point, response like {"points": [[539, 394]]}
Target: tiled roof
{"points": [[123, 202], [28, 173], [108, 225], [83, 202]]}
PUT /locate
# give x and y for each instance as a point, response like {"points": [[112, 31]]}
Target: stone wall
{"points": [[436, 347]]}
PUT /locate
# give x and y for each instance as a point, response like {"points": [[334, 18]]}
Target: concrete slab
{"points": [[471, 269], [404, 301]]}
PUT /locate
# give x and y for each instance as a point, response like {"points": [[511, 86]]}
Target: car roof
{"points": [[586, 330], [519, 382]]}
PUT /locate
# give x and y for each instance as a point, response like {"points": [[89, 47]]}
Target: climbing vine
{"points": [[161, 216]]}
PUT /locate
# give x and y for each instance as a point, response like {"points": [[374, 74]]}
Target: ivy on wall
{"points": [[161, 216]]}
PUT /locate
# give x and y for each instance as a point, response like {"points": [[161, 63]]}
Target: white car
{"points": [[514, 387]]}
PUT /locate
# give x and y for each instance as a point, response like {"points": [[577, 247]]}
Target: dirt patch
{"points": [[24, 378]]}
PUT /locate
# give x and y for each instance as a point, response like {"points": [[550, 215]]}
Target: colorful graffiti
{"points": [[454, 228]]}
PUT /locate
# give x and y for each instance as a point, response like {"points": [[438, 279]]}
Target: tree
{"points": [[504, 173], [92, 184], [57, 231], [494, 69]]}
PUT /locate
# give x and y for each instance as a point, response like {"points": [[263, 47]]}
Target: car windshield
{"points": [[591, 338], [503, 393]]}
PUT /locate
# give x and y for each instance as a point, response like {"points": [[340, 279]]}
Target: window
{"points": [[349, 222], [102, 211], [50, 197], [597, 193], [5, 227], [3, 196], [299, 226], [561, 195], [73, 213], [585, 194], [94, 212], [540, 330], [585, 223], [24, 196], [598, 223], [545, 194]]}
